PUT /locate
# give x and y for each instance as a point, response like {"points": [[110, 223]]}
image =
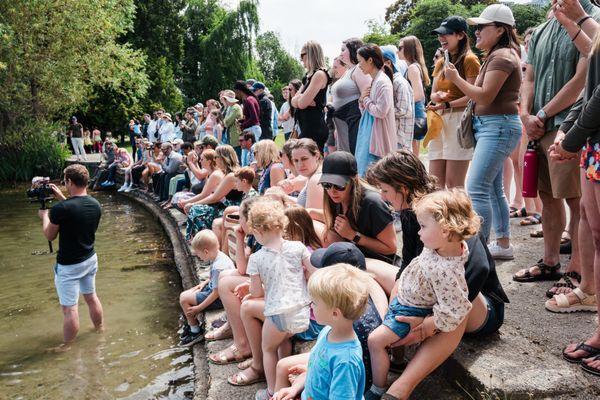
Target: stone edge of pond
{"points": [[187, 267]]}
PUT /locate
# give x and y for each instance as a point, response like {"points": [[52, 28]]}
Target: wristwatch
{"points": [[541, 114], [447, 104], [356, 238]]}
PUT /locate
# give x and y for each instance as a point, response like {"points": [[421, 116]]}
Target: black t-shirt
{"points": [[76, 130], [78, 218], [411, 242], [373, 217]]}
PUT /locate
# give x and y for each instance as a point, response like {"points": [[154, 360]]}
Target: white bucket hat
{"points": [[494, 13]]}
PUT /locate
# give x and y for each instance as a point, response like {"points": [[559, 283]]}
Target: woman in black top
{"points": [[312, 96], [354, 211]]}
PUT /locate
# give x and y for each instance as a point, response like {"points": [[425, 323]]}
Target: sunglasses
{"points": [[302, 55], [329, 186], [400, 48], [480, 27]]}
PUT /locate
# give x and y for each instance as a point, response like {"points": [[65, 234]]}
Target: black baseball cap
{"points": [[453, 24], [338, 168], [339, 252]]}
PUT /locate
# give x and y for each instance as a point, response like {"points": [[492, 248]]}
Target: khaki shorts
{"points": [[559, 179], [446, 146]]}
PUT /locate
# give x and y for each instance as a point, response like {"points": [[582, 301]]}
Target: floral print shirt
{"points": [[431, 280]]}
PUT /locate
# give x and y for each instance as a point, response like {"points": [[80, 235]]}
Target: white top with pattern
{"points": [[431, 280], [282, 274]]}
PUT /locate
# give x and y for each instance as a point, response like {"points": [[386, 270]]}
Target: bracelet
{"points": [[575, 37], [582, 20]]}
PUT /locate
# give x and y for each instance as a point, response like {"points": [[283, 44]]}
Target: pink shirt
{"points": [[380, 103]]}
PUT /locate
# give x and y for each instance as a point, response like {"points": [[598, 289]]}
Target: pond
{"points": [[137, 357]]}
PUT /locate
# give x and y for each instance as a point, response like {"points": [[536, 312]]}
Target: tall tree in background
{"points": [[158, 31], [53, 55], [277, 66]]}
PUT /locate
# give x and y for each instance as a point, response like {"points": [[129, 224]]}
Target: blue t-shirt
{"points": [[335, 370]]}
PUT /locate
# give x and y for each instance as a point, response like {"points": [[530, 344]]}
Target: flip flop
{"points": [[590, 350], [591, 370], [533, 219], [518, 213], [547, 273]]}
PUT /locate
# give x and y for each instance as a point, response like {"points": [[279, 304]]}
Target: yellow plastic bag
{"points": [[434, 126]]}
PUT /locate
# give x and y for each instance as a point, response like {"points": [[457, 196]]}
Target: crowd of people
{"points": [[302, 238]]}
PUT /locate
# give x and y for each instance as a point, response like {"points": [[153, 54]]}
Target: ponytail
{"points": [[389, 72]]}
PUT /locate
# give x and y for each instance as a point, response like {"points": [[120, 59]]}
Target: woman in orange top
{"points": [[448, 161]]}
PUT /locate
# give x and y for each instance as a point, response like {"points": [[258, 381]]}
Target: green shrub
{"points": [[30, 150]]}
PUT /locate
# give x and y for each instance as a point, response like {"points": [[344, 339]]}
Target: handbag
{"points": [[466, 139]]}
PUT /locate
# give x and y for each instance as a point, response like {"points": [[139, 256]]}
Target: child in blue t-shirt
{"points": [[335, 367]]}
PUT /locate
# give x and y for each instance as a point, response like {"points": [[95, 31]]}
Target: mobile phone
{"points": [[446, 58]]}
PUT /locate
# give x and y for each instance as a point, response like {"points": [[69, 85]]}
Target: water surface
{"points": [[137, 357]]}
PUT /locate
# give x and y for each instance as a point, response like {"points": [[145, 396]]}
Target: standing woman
{"points": [[345, 94], [496, 123], [251, 109], [411, 51], [377, 131], [312, 96], [448, 161], [232, 116]]}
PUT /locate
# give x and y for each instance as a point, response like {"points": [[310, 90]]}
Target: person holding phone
{"points": [[354, 211], [448, 161]]}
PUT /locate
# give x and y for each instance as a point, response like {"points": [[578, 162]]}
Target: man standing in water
{"points": [[75, 220]]}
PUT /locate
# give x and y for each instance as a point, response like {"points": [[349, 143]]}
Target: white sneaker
{"points": [[500, 253], [129, 189], [123, 188]]}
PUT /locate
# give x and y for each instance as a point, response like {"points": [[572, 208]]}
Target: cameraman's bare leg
{"points": [[96, 312], [70, 323]]}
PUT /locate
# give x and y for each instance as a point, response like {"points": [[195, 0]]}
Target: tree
{"points": [[528, 16], [54, 55], [276, 65], [398, 14], [379, 34]]}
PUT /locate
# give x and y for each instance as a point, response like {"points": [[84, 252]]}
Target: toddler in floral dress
{"points": [[434, 282]]}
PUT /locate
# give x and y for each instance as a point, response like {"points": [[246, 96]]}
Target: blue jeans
{"points": [[496, 136], [256, 131]]}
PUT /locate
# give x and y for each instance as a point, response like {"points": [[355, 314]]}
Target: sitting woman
{"points": [[137, 167], [354, 211], [152, 165], [214, 176], [202, 213], [307, 161], [268, 159], [401, 177], [122, 160], [293, 184]]}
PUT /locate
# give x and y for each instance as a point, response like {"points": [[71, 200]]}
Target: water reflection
{"points": [[136, 358]]}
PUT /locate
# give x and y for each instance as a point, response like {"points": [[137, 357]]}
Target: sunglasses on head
{"points": [[328, 186]]}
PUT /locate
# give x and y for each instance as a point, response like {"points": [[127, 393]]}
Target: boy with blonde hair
{"points": [[204, 296], [335, 367]]}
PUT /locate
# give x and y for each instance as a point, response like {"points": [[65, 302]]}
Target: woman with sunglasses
{"points": [[496, 123], [354, 211], [312, 96], [448, 161]]}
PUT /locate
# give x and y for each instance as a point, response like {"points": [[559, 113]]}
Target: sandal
{"points": [[591, 370], [547, 273], [245, 364], [242, 379], [565, 237], [537, 234], [518, 213], [568, 283], [585, 302], [533, 219], [221, 358], [219, 334], [590, 350]]}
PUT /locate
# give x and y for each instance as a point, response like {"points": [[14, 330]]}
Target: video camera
{"points": [[40, 191]]}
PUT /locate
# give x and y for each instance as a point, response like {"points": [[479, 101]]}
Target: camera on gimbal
{"points": [[40, 191]]}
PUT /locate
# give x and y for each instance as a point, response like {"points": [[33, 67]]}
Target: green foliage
{"points": [[528, 16], [276, 65], [379, 34], [53, 55], [31, 149]]}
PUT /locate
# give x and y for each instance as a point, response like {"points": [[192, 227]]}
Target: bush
{"points": [[32, 149]]}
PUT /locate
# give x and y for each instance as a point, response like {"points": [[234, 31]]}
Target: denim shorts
{"points": [[203, 294], [494, 319], [292, 322], [396, 309], [311, 333], [72, 279]]}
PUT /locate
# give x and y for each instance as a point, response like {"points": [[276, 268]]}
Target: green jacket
{"points": [[233, 114]]}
